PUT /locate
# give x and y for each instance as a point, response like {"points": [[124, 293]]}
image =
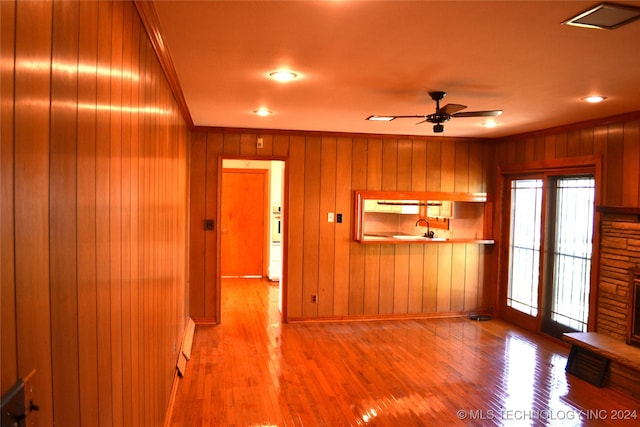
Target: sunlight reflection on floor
{"points": [[254, 370]]}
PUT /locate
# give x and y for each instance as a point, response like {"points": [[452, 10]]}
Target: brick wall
{"points": [[619, 251]]}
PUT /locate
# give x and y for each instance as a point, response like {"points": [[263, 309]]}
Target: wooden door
{"points": [[243, 222]]}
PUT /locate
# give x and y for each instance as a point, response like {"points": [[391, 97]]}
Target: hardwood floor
{"points": [[251, 370]]}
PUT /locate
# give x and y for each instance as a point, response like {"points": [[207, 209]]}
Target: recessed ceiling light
{"points": [[605, 15], [489, 124], [594, 99], [283, 76], [262, 112], [380, 118]]}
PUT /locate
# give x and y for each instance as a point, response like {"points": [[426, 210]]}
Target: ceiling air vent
{"points": [[605, 15]]}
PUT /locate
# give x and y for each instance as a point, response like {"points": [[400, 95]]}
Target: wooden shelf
{"points": [[395, 241]]}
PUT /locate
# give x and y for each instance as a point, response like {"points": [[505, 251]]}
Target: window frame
{"points": [[510, 245]]}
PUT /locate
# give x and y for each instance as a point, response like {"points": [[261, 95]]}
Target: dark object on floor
{"points": [[480, 317]]}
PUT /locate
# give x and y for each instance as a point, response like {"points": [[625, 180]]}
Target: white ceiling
{"points": [[358, 58]]}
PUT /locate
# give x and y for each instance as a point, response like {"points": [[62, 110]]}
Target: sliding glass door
{"points": [[550, 247], [569, 257]]}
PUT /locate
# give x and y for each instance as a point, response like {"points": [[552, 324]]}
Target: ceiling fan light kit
{"points": [[441, 115]]}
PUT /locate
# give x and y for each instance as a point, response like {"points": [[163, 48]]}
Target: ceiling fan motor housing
{"points": [[438, 118], [437, 95]]}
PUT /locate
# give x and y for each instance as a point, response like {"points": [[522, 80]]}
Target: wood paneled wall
{"points": [[351, 280], [616, 140], [94, 214]]}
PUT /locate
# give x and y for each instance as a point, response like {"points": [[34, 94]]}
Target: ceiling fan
{"points": [[441, 115]]}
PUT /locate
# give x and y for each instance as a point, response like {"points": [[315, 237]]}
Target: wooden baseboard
{"points": [[204, 321], [187, 341], [172, 399], [371, 318], [181, 367]]}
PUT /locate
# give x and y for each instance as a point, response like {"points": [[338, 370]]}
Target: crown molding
{"points": [[151, 23]]}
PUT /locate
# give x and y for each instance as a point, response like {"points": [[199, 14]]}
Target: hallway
{"points": [[253, 371]]}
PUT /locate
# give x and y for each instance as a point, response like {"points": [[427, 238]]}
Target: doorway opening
{"points": [[251, 219]]}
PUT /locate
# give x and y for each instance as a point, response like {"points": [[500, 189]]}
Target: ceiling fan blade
{"points": [[421, 116], [451, 109], [382, 118], [489, 113]]}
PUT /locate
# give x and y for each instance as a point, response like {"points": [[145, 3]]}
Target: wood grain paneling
{"points": [[33, 30], [461, 177], [97, 152], [617, 140], [295, 224], [356, 284], [103, 305], [126, 222], [631, 163], [418, 166], [353, 280], [63, 214], [434, 161], [385, 287], [197, 234], [404, 169], [614, 160], [311, 225], [115, 215], [8, 361], [477, 168], [136, 352], [344, 201], [327, 232], [86, 216], [213, 149]]}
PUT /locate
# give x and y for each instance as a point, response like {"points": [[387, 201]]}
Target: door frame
{"points": [[284, 235], [591, 163]]}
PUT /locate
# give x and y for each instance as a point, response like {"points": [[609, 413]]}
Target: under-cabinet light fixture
{"points": [[605, 15]]}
